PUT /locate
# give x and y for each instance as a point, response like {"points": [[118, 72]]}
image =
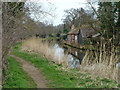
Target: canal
{"points": [[75, 56]]}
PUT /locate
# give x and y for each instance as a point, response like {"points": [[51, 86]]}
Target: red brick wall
{"points": [[74, 38]]}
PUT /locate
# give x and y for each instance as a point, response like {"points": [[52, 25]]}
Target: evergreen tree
{"points": [[106, 17], [109, 16]]}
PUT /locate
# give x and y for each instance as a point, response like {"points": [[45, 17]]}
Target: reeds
{"points": [[44, 48], [102, 62]]}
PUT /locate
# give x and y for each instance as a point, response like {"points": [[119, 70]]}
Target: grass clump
{"points": [[16, 77]]}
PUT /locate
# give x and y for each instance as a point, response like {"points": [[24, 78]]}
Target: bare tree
{"points": [[18, 25], [80, 17]]}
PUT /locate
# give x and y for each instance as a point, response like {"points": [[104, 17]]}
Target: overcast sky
{"points": [[60, 6]]}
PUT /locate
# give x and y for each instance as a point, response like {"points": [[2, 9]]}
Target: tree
{"points": [[117, 4], [18, 25], [12, 13], [79, 17], [108, 15], [65, 29]]}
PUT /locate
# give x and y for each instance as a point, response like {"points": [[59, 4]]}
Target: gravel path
{"points": [[33, 72]]}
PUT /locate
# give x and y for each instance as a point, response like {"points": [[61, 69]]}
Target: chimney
{"points": [[73, 27]]}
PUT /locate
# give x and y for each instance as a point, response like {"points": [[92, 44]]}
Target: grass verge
{"points": [[16, 77], [60, 77]]}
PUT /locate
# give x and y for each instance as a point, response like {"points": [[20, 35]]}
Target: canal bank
{"points": [[100, 64], [61, 77]]}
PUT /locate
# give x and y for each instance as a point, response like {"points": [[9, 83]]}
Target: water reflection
{"points": [[74, 63], [59, 52], [75, 56]]}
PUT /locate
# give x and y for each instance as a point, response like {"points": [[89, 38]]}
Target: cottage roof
{"points": [[85, 31], [75, 31]]}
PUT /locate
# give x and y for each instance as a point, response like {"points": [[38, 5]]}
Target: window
{"points": [[75, 37]]}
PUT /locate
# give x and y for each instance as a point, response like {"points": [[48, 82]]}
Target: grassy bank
{"points": [[60, 77], [17, 78]]}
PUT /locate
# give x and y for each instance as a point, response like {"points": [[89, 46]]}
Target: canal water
{"points": [[75, 56]]}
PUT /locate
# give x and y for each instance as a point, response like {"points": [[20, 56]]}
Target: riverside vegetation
{"points": [[102, 63], [57, 75]]}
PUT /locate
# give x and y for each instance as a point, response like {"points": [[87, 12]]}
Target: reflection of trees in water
{"points": [[76, 56], [74, 63], [80, 56]]}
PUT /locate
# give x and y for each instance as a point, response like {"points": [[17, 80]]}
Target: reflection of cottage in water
{"points": [[76, 54]]}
